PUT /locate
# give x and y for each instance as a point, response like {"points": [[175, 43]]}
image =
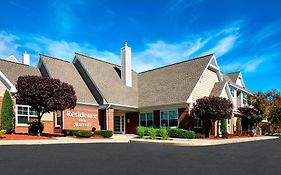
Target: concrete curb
{"points": [[201, 142]]}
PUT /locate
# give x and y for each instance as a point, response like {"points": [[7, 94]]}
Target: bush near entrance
{"points": [[85, 133], [7, 116], [165, 133], [104, 133]]}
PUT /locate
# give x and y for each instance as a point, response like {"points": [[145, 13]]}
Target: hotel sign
{"points": [[80, 120]]}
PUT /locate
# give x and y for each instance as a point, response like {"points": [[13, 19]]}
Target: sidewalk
{"points": [[130, 138], [201, 142], [67, 140]]}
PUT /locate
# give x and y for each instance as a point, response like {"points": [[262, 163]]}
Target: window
{"points": [[232, 91], [198, 123], [58, 118], [169, 118], [146, 119], [23, 114], [244, 100]]}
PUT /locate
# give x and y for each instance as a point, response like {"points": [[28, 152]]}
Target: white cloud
{"points": [[249, 66], [224, 45], [160, 53], [8, 44], [64, 49]]}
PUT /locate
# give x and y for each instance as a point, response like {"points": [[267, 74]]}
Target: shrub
{"points": [[34, 128], [164, 133], [2, 133], [84, 133], [239, 127], [181, 133], [70, 132], [199, 136], [7, 116], [223, 125], [141, 131], [225, 134], [104, 133], [152, 132]]}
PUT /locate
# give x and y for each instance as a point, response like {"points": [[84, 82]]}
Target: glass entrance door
{"points": [[119, 124]]}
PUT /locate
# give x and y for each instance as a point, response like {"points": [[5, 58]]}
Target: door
{"points": [[119, 124]]}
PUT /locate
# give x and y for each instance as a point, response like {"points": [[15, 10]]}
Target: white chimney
{"points": [[26, 58], [126, 65]]}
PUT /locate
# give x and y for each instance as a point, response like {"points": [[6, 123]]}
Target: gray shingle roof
{"points": [[14, 70], [218, 88], [231, 77], [171, 84], [66, 72], [107, 78]]}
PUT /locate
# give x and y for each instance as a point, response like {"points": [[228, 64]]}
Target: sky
{"points": [[245, 35]]}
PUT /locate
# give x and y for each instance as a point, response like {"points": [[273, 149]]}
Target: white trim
{"points": [[217, 71], [168, 117], [56, 124], [91, 104], [16, 116], [127, 106], [8, 83], [90, 77]]}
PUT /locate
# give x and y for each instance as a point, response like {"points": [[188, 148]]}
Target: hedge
{"points": [[70, 132], [104, 133], [181, 133], [84, 133]]}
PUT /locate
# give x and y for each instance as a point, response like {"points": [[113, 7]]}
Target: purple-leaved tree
{"points": [[211, 108], [44, 95]]}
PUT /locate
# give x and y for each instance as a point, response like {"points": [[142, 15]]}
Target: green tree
{"points": [[7, 116], [223, 125], [255, 111], [239, 126]]}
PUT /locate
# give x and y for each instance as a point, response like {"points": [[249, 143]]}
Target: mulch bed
{"points": [[24, 137], [93, 137], [230, 137]]}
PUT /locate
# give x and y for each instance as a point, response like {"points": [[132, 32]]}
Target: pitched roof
{"points": [[171, 84], [218, 88], [66, 72], [14, 70], [106, 77], [231, 77]]}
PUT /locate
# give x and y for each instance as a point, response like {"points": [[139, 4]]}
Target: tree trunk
{"points": [[39, 123]]}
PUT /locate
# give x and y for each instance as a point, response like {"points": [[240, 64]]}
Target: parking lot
{"points": [[260, 157]]}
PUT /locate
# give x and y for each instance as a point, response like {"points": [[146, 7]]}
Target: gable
{"points": [[205, 84]]}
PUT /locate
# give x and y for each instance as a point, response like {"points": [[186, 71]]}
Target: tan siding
{"points": [[2, 88], [239, 82], [224, 93], [205, 85]]}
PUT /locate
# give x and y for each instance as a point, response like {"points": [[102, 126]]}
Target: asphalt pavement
{"points": [[259, 157]]}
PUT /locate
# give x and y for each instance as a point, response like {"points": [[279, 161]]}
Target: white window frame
{"points": [[168, 118], [56, 122], [228, 126], [28, 115], [201, 122], [146, 118]]}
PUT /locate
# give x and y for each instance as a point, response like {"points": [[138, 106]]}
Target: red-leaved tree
{"points": [[211, 108], [44, 94]]}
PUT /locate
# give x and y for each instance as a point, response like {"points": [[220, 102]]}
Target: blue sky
{"points": [[244, 35]]}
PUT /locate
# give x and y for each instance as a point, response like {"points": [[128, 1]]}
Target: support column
{"points": [[110, 119]]}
